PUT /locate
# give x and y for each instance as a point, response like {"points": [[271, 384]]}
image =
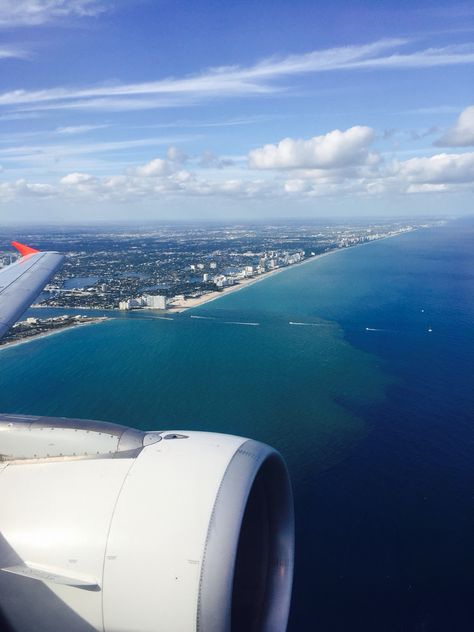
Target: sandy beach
{"points": [[212, 296], [189, 303]]}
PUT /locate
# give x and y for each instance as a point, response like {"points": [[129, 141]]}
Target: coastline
{"points": [[192, 303], [15, 343], [195, 302], [212, 296]]}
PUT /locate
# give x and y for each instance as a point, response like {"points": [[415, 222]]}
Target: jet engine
{"points": [[109, 528]]}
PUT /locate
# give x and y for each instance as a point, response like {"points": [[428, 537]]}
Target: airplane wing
{"points": [[22, 282]]}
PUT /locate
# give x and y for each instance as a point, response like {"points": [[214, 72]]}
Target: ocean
{"points": [[358, 367]]}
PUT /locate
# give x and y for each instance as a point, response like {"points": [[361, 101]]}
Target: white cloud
{"points": [[14, 13], [156, 167], [78, 129], [440, 173], [176, 155], [427, 188], [21, 188], [35, 153], [77, 178], [210, 160], [332, 150], [428, 58], [436, 109], [462, 133], [229, 81], [438, 169], [13, 52], [297, 185], [162, 179]]}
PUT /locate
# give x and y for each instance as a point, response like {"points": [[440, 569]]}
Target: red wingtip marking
{"points": [[23, 250]]}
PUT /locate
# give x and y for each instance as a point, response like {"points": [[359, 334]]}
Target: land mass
{"points": [[179, 266]]}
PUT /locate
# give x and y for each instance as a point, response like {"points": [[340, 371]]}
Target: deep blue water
{"points": [[376, 424]]}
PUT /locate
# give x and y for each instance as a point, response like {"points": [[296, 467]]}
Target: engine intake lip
{"points": [[247, 570]]}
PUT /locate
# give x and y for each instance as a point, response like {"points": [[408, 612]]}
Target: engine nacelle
{"points": [[109, 528]]}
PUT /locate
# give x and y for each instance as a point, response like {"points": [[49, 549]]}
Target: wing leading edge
{"points": [[22, 282]]}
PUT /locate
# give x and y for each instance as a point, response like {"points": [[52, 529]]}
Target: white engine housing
{"points": [[113, 529]]}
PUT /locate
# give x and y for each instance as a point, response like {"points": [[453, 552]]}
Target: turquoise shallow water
{"points": [[374, 423], [239, 367]]}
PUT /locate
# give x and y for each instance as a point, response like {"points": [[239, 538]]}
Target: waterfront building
{"points": [[156, 302], [221, 280], [132, 303]]}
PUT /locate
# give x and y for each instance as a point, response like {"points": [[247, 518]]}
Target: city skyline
{"points": [[162, 111]]}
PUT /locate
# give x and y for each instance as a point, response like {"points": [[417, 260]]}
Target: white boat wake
{"points": [[291, 322], [236, 322], [377, 329]]}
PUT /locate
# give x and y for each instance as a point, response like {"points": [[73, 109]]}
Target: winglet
{"points": [[24, 250]]}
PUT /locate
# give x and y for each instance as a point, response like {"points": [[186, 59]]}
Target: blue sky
{"points": [[149, 109]]}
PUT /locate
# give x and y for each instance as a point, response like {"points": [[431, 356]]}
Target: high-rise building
{"points": [[221, 280], [156, 302], [132, 303]]}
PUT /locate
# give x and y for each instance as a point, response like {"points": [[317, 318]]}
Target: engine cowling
{"points": [[109, 528]]}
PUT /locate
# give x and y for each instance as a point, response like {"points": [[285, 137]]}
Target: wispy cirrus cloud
{"points": [[43, 154], [72, 130], [13, 52], [263, 78], [17, 13]]}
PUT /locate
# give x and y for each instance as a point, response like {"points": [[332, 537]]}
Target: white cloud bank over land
{"points": [[332, 150], [170, 177], [439, 169], [264, 77], [14, 13], [462, 132]]}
